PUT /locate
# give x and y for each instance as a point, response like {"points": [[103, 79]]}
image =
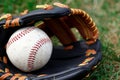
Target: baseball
{"points": [[29, 49]]}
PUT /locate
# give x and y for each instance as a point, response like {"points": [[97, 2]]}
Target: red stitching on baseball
{"points": [[19, 35], [34, 50]]}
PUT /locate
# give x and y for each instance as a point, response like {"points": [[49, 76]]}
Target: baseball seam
{"points": [[34, 50], [19, 35]]}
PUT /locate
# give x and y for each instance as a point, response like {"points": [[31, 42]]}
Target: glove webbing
{"points": [[61, 27], [86, 26]]}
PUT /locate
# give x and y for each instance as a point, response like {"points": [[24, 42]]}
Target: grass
{"points": [[105, 13]]}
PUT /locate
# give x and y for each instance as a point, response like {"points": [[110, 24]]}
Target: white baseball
{"points": [[29, 49]]}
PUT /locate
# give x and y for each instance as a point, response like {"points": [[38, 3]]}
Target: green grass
{"points": [[105, 13]]}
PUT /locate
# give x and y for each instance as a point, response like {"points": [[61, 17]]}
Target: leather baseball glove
{"points": [[73, 60]]}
